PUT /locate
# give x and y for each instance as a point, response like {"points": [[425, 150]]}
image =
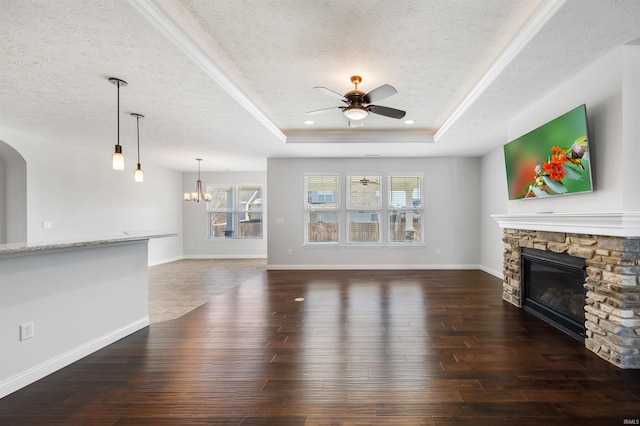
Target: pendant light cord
{"points": [[138, 129], [118, 112]]}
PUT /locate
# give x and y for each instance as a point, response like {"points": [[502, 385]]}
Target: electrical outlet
{"points": [[26, 331]]}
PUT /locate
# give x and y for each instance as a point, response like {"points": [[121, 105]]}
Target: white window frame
{"points": [[252, 207], [355, 209], [332, 210], [410, 238], [343, 209]]}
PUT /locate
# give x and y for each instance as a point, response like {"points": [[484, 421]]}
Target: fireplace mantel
{"points": [[607, 224]]}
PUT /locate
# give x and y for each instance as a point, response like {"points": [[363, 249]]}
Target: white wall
{"points": [[599, 86], [3, 205], [75, 190], [631, 128], [610, 88], [196, 244], [452, 221], [493, 201]]}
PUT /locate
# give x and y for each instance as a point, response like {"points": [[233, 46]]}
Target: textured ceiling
{"points": [[230, 81]]}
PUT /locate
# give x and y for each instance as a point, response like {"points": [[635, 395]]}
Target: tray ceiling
{"points": [[230, 81]]}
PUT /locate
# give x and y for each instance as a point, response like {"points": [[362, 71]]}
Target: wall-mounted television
{"points": [[550, 160]]}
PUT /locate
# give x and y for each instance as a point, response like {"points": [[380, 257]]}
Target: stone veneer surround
{"points": [[612, 305]]}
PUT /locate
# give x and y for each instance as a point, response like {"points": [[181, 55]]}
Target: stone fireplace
{"points": [[612, 301]]}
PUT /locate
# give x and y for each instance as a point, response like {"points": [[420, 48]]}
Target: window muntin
{"points": [[322, 209], [235, 211]]}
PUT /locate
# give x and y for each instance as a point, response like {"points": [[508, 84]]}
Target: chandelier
{"points": [[198, 195]]}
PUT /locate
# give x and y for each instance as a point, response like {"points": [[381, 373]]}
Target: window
{"points": [[405, 209], [363, 209], [322, 203], [376, 209], [235, 211]]}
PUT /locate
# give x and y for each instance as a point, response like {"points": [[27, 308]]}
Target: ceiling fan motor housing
{"points": [[355, 97]]}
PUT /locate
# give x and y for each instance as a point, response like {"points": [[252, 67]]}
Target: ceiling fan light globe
{"points": [[356, 113]]}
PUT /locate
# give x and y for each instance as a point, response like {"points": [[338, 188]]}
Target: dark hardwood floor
{"points": [[363, 348]]}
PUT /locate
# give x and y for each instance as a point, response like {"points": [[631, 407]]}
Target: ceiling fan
{"points": [[365, 182], [360, 104]]}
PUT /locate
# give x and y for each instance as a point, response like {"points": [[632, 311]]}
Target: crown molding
{"points": [[168, 26], [361, 136], [528, 32]]}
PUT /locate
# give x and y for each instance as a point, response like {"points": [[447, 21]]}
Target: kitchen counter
{"points": [[75, 297]]}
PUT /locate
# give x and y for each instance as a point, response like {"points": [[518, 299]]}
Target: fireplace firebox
{"points": [[554, 289]]}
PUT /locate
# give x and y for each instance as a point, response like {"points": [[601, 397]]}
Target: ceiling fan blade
{"points": [[331, 93], [379, 93], [321, 111], [386, 111]]}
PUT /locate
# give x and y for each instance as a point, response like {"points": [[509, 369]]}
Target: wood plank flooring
{"points": [[363, 348]]}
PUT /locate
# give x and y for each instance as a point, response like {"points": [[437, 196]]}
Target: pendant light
{"points": [[138, 175], [117, 160], [198, 195]]}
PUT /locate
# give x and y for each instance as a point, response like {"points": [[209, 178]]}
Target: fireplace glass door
{"points": [[554, 289]]}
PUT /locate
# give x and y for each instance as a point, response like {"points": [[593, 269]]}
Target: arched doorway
{"points": [[13, 195]]}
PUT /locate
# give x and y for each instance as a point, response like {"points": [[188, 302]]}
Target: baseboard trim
{"points": [[497, 274], [226, 256], [163, 261], [39, 371], [371, 267]]}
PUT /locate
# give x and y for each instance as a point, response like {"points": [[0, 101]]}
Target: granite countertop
{"points": [[132, 236]]}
